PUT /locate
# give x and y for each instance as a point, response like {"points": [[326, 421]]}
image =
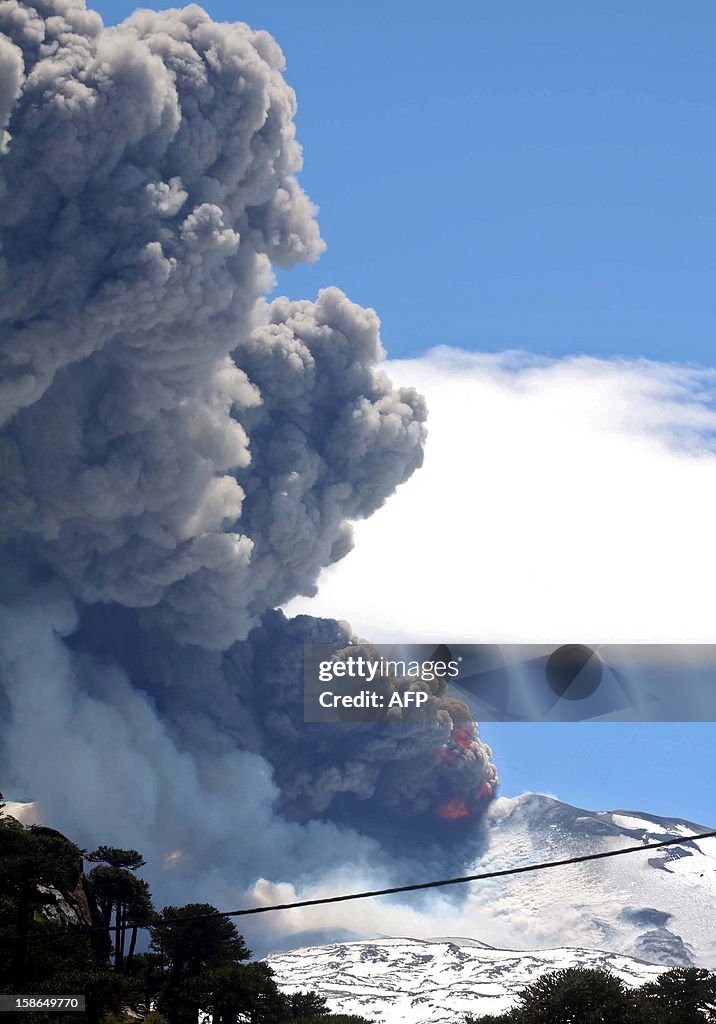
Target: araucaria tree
{"points": [[123, 900]]}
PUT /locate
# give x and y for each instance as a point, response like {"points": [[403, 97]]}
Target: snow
{"points": [[663, 897], [414, 981], [626, 821], [633, 915]]}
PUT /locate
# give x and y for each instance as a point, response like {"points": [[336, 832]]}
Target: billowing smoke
{"points": [[179, 458], [421, 765]]}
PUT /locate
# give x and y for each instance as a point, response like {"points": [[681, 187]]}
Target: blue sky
{"points": [[665, 768], [508, 175], [519, 175]]}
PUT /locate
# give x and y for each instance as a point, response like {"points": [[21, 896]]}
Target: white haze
{"points": [[559, 500]]}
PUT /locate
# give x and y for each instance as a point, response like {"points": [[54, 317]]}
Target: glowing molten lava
{"points": [[464, 806], [460, 756], [454, 809], [462, 737]]}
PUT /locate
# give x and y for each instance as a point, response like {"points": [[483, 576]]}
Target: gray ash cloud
{"points": [[178, 456]]}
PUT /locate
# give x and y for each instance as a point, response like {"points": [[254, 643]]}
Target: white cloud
{"points": [[559, 500]]}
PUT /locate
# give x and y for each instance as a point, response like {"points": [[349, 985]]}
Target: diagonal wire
{"points": [[391, 890]]}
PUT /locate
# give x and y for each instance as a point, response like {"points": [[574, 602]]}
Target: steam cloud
{"points": [[179, 458]]}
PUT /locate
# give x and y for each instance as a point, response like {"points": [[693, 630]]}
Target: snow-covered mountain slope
{"points": [[658, 906], [624, 914], [413, 981]]}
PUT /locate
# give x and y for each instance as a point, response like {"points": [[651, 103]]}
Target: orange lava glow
{"points": [[454, 809], [465, 806], [455, 753], [461, 736]]}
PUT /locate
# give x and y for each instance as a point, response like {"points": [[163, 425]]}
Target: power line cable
{"points": [[393, 890]]}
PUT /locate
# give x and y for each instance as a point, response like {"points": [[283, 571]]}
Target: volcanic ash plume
{"points": [[178, 457]]}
